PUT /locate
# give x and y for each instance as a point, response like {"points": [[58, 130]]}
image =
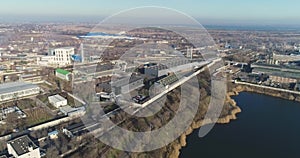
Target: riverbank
{"points": [[246, 88], [197, 124], [235, 90]]}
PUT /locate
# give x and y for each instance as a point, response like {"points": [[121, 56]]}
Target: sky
{"points": [[207, 11]]}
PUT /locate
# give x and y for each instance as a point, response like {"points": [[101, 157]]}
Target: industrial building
{"points": [[81, 128], [285, 58], [23, 147], [279, 79], [57, 101], [70, 111], [57, 57], [175, 65], [168, 80], [275, 70], [126, 84], [156, 70], [297, 87], [63, 74], [14, 90]]}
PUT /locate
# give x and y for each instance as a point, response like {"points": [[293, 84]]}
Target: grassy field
{"points": [[37, 115]]}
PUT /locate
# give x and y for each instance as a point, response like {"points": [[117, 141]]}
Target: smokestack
{"points": [[82, 53]]}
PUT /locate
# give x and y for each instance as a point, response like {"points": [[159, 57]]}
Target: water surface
{"points": [[267, 127]]}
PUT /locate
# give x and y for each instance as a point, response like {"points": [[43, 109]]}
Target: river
{"points": [[266, 127]]}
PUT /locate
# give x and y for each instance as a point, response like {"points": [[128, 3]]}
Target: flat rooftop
{"points": [[67, 109], [66, 48], [57, 98], [15, 86], [168, 64], [270, 71], [22, 144], [124, 80]]}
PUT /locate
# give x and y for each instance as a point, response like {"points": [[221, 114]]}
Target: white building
{"points": [[45, 60], [57, 57], [68, 110], [57, 101], [174, 65], [14, 90], [23, 147]]}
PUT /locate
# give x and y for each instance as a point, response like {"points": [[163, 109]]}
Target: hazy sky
{"points": [[245, 11]]}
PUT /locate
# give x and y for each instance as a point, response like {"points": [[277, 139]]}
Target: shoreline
{"points": [[197, 124], [232, 113]]}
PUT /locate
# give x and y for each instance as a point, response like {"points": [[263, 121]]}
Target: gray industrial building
{"points": [[276, 70], [14, 90], [175, 65], [126, 84]]}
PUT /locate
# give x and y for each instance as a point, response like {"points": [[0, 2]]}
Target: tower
{"points": [[82, 53]]}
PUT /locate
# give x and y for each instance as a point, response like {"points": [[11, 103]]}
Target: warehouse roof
{"points": [[15, 86], [269, 71]]}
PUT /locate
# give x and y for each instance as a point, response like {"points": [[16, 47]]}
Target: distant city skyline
{"points": [[284, 12]]}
